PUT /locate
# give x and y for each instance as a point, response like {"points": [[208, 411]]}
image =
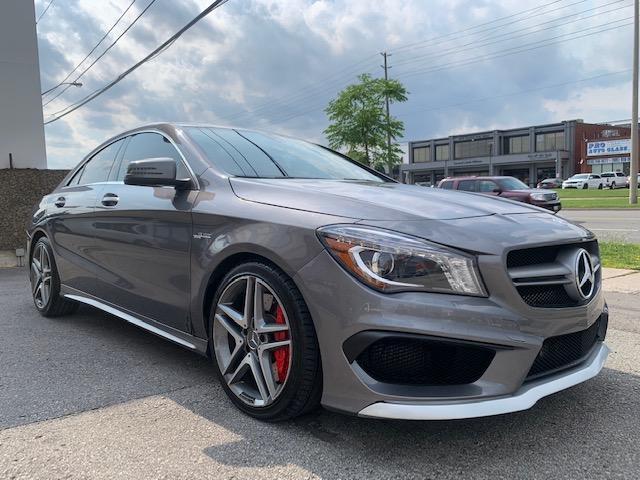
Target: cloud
{"points": [[275, 64]]}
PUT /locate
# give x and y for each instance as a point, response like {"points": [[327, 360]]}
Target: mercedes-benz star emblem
{"points": [[584, 274]]}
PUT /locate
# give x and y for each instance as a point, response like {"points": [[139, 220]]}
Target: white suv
{"points": [[614, 180], [583, 180]]}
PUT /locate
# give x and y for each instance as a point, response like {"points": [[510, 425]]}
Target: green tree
{"points": [[359, 121]]}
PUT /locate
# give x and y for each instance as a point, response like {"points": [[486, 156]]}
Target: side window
{"points": [[97, 169], [486, 186], [467, 185], [595, 176], [76, 177], [447, 185], [151, 145]]}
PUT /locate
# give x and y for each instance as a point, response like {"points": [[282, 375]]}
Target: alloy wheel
{"points": [[41, 276], [252, 341]]}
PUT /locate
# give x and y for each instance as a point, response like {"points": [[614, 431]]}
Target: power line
{"points": [[474, 43], [95, 47], [103, 53], [516, 50], [302, 94], [152, 55], [44, 11], [513, 94], [454, 65]]}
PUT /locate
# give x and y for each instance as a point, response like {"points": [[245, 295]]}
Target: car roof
{"points": [[495, 177]]}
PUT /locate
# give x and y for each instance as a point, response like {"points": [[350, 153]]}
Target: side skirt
{"points": [[183, 339]]}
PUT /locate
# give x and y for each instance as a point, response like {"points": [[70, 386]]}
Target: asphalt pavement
{"points": [[90, 396], [621, 225]]}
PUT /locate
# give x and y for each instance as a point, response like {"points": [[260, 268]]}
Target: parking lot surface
{"points": [[90, 396]]}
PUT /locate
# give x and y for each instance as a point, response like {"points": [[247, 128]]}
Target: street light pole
{"points": [[633, 180], [73, 84]]}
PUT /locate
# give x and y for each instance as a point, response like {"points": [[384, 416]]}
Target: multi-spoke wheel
{"points": [[264, 343], [45, 283]]}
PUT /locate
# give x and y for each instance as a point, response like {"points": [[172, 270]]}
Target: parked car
{"points": [[583, 180], [309, 278], [550, 183], [505, 187], [614, 180], [629, 180]]}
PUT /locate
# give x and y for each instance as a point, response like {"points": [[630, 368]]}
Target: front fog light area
{"points": [[392, 262]]}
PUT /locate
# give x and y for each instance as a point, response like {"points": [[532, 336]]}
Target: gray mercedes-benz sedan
{"points": [[310, 279]]}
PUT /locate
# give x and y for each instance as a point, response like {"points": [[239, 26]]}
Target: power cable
{"points": [[156, 52], [102, 54], [44, 11], [95, 47]]}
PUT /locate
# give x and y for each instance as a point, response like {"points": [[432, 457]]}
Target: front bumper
{"points": [[554, 205], [523, 399], [342, 308]]}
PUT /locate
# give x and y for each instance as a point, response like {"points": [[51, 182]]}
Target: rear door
{"points": [[71, 222], [143, 238]]}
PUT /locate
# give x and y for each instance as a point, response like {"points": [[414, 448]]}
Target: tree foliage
{"points": [[359, 121]]}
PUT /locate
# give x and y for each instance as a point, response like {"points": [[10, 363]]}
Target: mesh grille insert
{"points": [[408, 361], [564, 350], [547, 296]]}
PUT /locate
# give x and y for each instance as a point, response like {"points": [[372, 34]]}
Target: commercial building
{"points": [[21, 126], [529, 153], [607, 150]]}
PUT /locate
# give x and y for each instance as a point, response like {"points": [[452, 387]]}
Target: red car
{"points": [[505, 187]]}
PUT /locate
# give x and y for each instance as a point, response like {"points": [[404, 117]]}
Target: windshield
{"points": [[251, 154], [581, 176], [511, 183]]}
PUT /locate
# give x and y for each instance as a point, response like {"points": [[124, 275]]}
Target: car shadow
{"points": [[589, 430]]}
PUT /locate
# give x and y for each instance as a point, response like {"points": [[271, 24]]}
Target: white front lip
{"points": [[523, 399]]}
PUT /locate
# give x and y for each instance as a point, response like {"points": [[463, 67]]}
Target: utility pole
{"points": [[386, 77], [633, 181]]}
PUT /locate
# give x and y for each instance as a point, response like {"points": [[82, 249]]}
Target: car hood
{"points": [[373, 201], [530, 190]]}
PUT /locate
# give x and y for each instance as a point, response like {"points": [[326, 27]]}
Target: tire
{"points": [[600, 187], [613, 186], [45, 282], [301, 388], [585, 186]]}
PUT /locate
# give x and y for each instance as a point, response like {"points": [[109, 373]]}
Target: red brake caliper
{"points": [[281, 354]]}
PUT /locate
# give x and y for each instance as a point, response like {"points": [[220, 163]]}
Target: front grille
{"points": [[566, 350], [550, 196], [410, 361], [546, 296], [542, 275]]}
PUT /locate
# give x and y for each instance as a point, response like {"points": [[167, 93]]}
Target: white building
{"points": [[21, 122]]}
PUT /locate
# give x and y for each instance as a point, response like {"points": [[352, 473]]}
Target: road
{"points": [[613, 225], [89, 396]]}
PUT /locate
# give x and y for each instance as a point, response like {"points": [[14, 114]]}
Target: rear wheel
{"points": [[600, 187], [264, 344], [613, 185], [45, 282]]}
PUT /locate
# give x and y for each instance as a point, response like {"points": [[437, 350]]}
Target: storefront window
{"points": [[546, 142], [473, 148], [442, 153], [544, 173], [521, 174], [421, 155], [519, 144]]}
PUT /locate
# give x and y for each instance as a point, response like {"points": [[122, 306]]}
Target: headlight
{"points": [[537, 196], [393, 262]]}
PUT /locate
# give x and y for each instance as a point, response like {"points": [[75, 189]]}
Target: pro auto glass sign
{"points": [[608, 147]]}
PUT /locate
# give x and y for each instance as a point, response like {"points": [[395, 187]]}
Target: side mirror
{"points": [[155, 172], [497, 190]]}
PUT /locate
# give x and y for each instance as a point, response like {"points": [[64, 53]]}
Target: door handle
{"points": [[60, 202], [110, 200]]}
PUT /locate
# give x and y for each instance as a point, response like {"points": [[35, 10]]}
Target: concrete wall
{"points": [[21, 124], [20, 190]]}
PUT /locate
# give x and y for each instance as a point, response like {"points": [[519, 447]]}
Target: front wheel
{"points": [[264, 344], [45, 282], [585, 186]]}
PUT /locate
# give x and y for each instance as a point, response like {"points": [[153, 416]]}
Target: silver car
{"points": [[311, 279]]}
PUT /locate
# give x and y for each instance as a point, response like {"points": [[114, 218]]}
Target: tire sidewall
{"points": [[296, 334]]}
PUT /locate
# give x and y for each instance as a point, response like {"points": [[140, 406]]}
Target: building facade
{"points": [[529, 153], [607, 150], [21, 126]]}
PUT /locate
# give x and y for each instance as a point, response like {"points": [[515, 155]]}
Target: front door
{"points": [[143, 240]]}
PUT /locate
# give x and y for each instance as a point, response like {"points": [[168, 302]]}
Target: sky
{"points": [[469, 65]]}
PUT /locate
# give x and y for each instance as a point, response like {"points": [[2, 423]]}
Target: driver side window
{"points": [[151, 145]]}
